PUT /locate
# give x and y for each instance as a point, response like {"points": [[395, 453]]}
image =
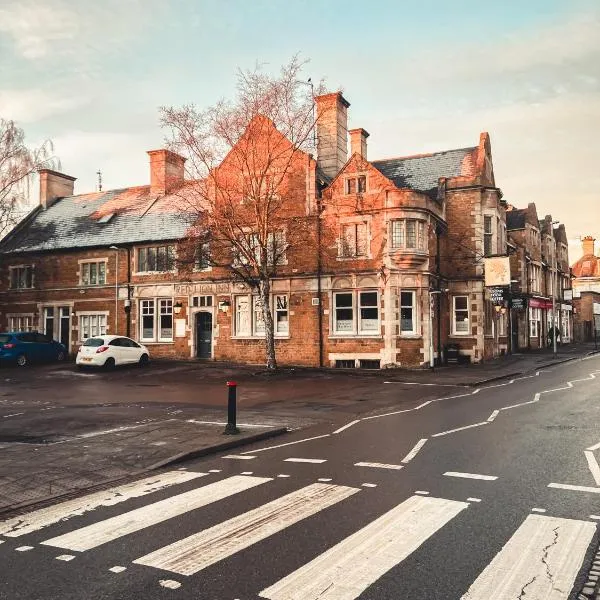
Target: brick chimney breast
{"points": [[166, 171], [358, 142], [332, 132], [53, 186], [587, 244]]}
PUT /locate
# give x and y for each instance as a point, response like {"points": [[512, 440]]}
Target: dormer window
{"points": [[356, 185]]}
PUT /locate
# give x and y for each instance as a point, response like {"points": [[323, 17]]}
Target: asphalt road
{"points": [[452, 500]]}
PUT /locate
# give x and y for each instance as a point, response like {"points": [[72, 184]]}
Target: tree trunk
{"points": [[264, 295]]}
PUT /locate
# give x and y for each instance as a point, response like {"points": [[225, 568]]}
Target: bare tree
{"points": [[18, 164], [247, 166]]}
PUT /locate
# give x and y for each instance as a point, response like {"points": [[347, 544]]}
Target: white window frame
{"points": [[20, 317], [534, 323], [101, 323], [156, 304], [164, 307], [97, 262], [400, 227], [413, 306], [237, 330], [253, 330], [13, 268], [488, 235], [281, 306], [453, 316], [156, 247], [357, 329], [203, 301]]}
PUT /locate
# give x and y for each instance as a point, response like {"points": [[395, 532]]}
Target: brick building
{"points": [[586, 293], [392, 269]]}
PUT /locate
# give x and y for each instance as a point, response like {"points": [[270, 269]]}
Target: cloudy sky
{"points": [[420, 76]]}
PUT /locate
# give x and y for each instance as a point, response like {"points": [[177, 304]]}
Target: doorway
{"points": [[204, 334]]}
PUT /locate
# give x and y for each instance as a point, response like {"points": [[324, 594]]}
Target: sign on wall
{"points": [[497, 270], [519, 302], [497, 295]]}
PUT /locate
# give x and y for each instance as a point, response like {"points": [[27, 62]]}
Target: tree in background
{"points": [[18, 164], [248, 168]]}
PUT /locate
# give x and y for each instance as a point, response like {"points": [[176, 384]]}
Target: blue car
{"points": [[26, 347]]}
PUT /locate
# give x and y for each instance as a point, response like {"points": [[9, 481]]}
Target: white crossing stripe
{"points": [[345, 571], [378, 465], [541, 560], [140, 518], [38, 519], [470, 476], [316, 461], [414, 451], [198, 551]]}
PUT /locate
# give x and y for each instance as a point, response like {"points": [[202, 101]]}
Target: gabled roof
{"points": [[81, 222], [422, 172]]}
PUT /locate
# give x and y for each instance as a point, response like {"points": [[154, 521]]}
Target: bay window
{"points": [[409, 234], [156, 320], [356, 313], [460, 315], [408, 321]]}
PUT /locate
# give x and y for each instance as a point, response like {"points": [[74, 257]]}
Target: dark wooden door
{"points": [[204, 335]]}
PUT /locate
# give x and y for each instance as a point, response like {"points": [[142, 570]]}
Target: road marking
{"points": [[575, 488], [316, 461], [38, 519], [369, 485], [459, 429], [224, 423], [111, 529], [317, 437], [347, 569], [169, 584], [595, 517], [427, 384], [215, 471], [378, 465], [347, 426], [594, 447], [247, 473], [13, 415], [324, 479], [535, 399], [593, 465], [199, 551], [538, 510], [422, 493], [473, 499], [541, 560], [238, 457], [470, 475], [65, 557], [282, 475], [414, 451], [493, 416], [24, 548], [117, 569]]}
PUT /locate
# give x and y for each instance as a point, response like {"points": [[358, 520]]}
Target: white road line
{"points": [[470, 475], [282, 475], [535, 399], [459, 429], [369, 485], [473, 499], [214, 471], [538, 510], [594, 447], [427, 384], [324, 479], [347, 426], [117, 569], [317, 437], [595, 517], [422, 493], [414, 451], [224, 423], [316, 461], [541, 560], [238, 457], [38, 519], [65, 557], [575, 488], [111, 529], [169, 584], [378, 465], [198, 551], [593, 465], [247, 473], [24, 548], [13, 415], [493, 416], [345, 571]]}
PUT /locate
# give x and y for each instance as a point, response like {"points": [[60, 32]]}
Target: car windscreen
{"points": [[4, 339], [95, 342]]}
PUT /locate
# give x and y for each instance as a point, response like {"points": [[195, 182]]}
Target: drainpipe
{"points": [[527, 312], [319, 272], [128, 307], [438, 232]]}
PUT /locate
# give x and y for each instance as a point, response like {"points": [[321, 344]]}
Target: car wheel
{"points": [[109, 364], [144, 360], [22, 360], [60, 356]]}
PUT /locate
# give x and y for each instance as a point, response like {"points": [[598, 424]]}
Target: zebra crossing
{"points": [[543, 556]]}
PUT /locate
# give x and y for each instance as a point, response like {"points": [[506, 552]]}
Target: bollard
{"points": [[231, 427]]}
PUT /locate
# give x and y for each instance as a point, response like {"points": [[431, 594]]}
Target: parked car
{"points": [[108, 351], [25, 347]]}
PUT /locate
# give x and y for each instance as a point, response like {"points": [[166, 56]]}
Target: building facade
{"points": [[392, 271], [586, 293]]}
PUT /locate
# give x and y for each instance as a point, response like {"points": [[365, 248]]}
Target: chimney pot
{"points": [[358, 142], [53, 186], [587, 244], [332, 132], [166, 171]]}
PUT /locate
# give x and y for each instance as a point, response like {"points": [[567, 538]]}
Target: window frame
{"points": [[488, 236], [11, 317], [356, 308], [252, 331], [455, 332], [170, 255], [414, 331], [86, 263], [399, 234], [101, 329], [355, 184], [156, 304], [535, 321], [17, 269], [352, 250]]}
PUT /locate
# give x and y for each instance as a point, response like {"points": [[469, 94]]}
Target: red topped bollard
{"points": [[231, 427]]}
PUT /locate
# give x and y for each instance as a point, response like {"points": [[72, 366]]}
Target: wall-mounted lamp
{"points": [[224, 305], [177, 307]]}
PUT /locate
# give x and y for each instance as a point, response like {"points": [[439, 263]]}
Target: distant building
{"points": [[586, 292]]}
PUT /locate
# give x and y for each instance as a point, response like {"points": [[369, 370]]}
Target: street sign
{"points": [[518, 303], [497, 295], [496, 270]]}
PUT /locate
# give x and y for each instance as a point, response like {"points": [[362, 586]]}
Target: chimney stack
{"points": [[332, 132], [166, 171], [53, 186], [358, 142], [588, 245]]}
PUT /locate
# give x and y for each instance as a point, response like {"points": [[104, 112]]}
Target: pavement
{"points": [[455, 493]]}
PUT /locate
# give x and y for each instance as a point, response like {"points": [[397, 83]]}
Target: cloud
{"points": [[31, 105]]}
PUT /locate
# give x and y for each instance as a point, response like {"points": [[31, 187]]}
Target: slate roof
{"points": [[74, 222], [421, 173], [515, 219]]}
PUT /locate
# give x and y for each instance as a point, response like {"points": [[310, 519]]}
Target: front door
{"points": [[65, 327], [204, 335]]}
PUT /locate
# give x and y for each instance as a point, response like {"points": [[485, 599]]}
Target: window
{"points": [[282, 324], [534, 322], [49, 320], [367, 321], [356, 184], [488, 235], [354, 240], [460, 315], [409, 234], [276, 247], [156, 320], [488, 324], [202, 257], [408, 321], [258, 321], [202, 301], [92, 273], [21, 277], [156, 259], [20, 323], [91, 326], [243, 324], [249, 320]]}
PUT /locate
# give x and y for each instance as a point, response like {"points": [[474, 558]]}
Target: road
{"points": [[482, 494]]}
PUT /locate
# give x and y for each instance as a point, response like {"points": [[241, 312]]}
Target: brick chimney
{"points": [[166, 171], [358, 142], [53, 186], [332, 132], [587, 244]]}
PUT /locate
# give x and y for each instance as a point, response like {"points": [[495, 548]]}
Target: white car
{"points": [[111, 350]]}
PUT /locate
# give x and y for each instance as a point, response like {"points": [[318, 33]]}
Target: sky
{"points": [[420, 76]]}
